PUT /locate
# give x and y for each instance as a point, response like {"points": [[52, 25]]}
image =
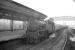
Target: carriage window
{"points": [[17, 24], [5, 24]]}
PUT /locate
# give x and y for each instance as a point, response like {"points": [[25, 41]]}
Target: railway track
{"points": [[57, 43]]}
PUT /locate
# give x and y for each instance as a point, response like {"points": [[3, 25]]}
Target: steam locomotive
{"points": [[37, 32]]}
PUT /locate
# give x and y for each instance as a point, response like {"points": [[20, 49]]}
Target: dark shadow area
{"points": [[70, 46], [11, 44]]}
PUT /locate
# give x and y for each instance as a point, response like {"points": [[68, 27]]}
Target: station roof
{"points": [[23, 11]]}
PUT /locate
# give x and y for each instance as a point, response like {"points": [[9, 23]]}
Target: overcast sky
{"points": [[51, 8]]}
